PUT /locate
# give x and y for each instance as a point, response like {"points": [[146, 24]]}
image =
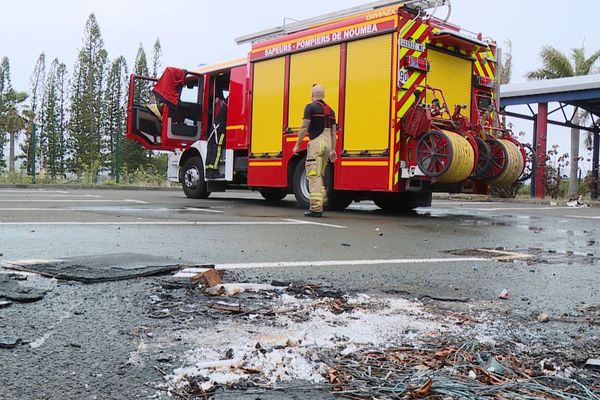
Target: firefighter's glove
{"points": [[332, 156]]}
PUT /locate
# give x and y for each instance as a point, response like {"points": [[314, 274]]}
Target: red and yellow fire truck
{"points": [[415, 99]]}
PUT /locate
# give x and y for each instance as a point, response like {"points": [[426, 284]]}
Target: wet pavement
{"points": [[106, 341]]}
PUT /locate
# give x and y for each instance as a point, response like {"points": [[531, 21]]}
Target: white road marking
{"points": [[48, 195], [112, 209], [298, 221], [334, 263], [204, 210], [31, 191], [454, 203], [582, 216], [173, 223], [515, 208], [71, 201]]}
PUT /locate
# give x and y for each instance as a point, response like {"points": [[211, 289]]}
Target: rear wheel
{"points": [[336, 200], [390, 205], [300, 184], [404, 202], [192, 179], [273, 194]]}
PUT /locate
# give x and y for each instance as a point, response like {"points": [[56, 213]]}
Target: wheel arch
{"points": [[292, 163], [186, 155]]}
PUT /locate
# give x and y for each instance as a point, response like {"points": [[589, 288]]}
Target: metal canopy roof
{"points": [[580, 91]]}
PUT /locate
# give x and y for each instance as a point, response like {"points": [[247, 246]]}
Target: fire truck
{"points": [[415, 99]]}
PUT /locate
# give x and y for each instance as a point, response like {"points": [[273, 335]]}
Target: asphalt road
{"points": [[87, 341], [363, 248]]}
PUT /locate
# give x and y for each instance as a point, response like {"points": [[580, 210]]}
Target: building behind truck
{"points": [[415, 97]]}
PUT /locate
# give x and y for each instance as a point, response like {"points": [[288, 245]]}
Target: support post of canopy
{"points": [[595, 165], [541, 133]]}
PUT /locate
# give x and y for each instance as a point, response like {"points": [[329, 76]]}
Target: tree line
{"points": [[74, 123]]}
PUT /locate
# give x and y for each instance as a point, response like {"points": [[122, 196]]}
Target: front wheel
{"points": [[192, 179]]}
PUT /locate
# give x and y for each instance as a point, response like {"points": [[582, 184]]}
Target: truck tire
{"points": [[273, 194], [336, 200], [300, 184], [192, 179], [403, 202]]}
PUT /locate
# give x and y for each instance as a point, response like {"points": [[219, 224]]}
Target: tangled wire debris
{"points": [[436, 366], [467, 372]]}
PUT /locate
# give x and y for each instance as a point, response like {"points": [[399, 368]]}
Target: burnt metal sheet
{"points": [[99, 268]]}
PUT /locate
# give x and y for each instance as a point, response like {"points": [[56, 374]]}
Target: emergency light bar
{"points": [[418, 63], [484, 81], [284, 29]]}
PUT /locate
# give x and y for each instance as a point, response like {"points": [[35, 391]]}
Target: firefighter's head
{"points": [[318, 92]]}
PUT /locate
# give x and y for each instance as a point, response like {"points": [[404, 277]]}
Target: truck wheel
{"points": [[403, 202], [273, 194], [391, 205], [338, 201], [192, 179], [300, 184]]}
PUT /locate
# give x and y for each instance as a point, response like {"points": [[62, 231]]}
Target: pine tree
{"points": [[61, 90], [156, 58], [115, 97], [142, 87], [134, 155], [36, 88], [5, 87], [52, 143], [86, 102]]}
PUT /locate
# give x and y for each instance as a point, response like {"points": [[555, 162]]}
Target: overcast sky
{"points": [[200, 31]]}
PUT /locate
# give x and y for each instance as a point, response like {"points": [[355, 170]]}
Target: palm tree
{"points": [[13, 121], [557, 65]]}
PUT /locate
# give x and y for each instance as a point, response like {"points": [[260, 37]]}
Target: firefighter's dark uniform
{"points": [[216, 139], [321, 118]]}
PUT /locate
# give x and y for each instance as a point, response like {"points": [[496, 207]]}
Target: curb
{"points": [[87, 187], [490, 199]]}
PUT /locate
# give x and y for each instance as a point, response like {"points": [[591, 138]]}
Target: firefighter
{"points": [[437, 108], [216, 138], [319, 123]]}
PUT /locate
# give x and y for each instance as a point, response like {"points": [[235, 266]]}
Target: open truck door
{"points": [[165, 113]]}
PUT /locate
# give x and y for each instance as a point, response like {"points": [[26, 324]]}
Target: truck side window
{"points": [[191, 93]]}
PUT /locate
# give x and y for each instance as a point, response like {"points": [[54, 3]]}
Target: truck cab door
{"points": [[144, 120], [182, 123], [165, 113]]}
